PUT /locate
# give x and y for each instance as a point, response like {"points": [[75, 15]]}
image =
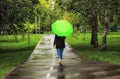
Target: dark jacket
{"points": [[59, 41]]}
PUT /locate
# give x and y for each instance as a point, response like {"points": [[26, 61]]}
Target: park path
{"points": [[43, 64]]}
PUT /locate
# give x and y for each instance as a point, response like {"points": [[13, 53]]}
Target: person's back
{"points": [[59, 43]]}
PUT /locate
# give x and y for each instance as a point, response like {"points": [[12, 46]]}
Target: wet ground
{"points": [[43, 64]]}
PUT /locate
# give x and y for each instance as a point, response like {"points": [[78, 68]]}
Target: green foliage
{"points": [[111, 54], [13, 54], [43, 14], [72, 17], [16, 13], [87, 9], [93, 13]]}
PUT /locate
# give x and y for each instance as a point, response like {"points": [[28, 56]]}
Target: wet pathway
{"points": [[43, 64]]}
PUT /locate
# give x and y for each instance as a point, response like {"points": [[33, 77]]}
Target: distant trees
{"points": [[15, 13], [15, 16], [88, 9], [107, 12], [23, 15]]}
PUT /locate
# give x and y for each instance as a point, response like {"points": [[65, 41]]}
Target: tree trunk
{"points": [[23, 35], [28, 34], [36, 24], [104, 39], [115, 28], [8, 31], [94, 24], [16, 37], [39, 24]]}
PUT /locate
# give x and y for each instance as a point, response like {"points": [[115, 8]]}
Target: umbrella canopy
{"points": [[62, 28]]}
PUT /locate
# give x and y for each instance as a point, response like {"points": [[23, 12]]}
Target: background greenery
{"points": [[80, 42], [21, 17], [13, 54]]}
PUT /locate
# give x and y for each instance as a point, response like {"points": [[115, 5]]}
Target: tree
{"points": [[91, 11], [88, 9], [108, 10], [14, 13]]}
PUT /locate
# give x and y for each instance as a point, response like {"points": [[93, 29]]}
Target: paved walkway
{"points": [[42, 64]]}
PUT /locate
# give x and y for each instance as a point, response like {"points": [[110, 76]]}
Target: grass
{"points": [[110, 55], [13, 54]]}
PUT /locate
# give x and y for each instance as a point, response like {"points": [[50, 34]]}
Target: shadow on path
{"points": [[61, 74]]}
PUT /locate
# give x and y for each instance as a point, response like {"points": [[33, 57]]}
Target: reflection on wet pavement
{"points": [[61, 74], [43, 64]]}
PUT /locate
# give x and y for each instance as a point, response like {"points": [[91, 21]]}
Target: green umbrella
{"points": [[62, 28]]}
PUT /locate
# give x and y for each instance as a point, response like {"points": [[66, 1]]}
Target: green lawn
{"points": [[110, 55], [13, 54]]}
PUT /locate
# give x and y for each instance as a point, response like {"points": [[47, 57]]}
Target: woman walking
{"points": [[59, 44]]}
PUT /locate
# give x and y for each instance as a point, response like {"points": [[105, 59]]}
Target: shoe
{"points": [[60, 62]]}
